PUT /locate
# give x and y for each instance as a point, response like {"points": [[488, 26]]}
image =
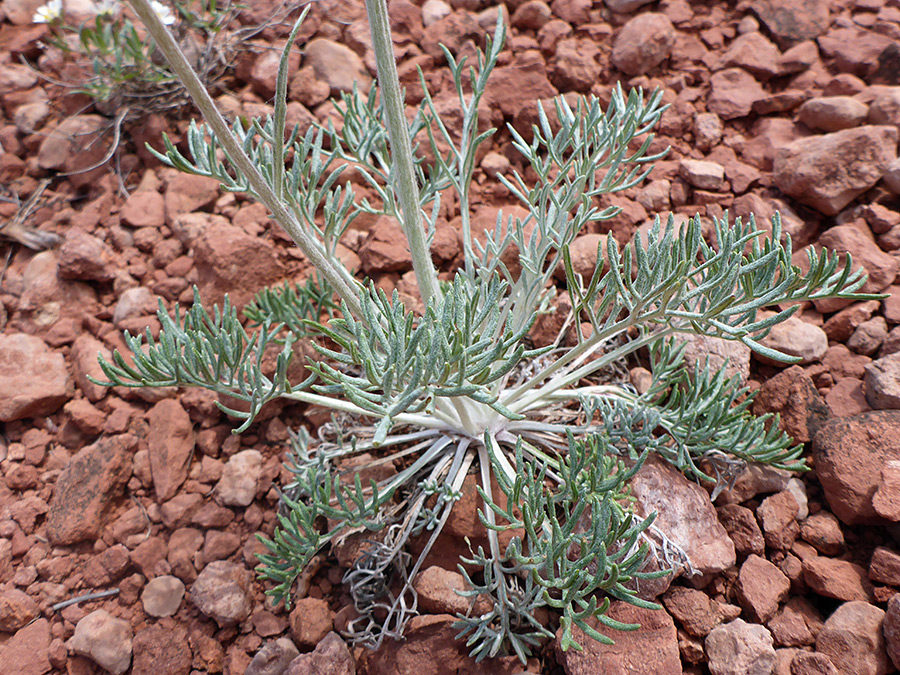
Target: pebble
{"points": [[162, 596], [643, 43], [330, 656], [222, 592], [104, 639], [311, 620], [33, 378], [740, 648], [852, 638], [237, 486]]}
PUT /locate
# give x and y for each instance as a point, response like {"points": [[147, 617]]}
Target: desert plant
{"points": [[126, 71], [456, 387]]}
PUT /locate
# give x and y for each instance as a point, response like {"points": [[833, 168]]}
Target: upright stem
{"points": [[401, 149], [336, 275]]}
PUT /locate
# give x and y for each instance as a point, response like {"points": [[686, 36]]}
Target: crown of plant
{"points": [[455, 388]]}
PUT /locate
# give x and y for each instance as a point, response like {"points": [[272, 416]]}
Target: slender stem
{"points": [[334, 272], [411, 419], [403, 174]]}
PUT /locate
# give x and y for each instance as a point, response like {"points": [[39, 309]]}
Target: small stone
{"points": [[793, 21], [806, 663], [837, 579], [833, 113], [869, 336], [16, 610], [883, 383], [793, 395], [849, 453], [105, 640], [26, 652], [222, 592], [330, 657], [885, 566], [891, 629], [438, 590], [171, 446], [761, 587], [652, 649], [161, 648], [753, 52], [162, 596], [740, 648], [240, 476], [274, 658], [693, 609], [741, 525], [798, 338], [434, 10], [643, 43], [84, 256], [87, 488], [33, 379], [823, 531], [828, 172], [852, 638], [881, 267], [733, 93], [311, 620], [794, 625], [702, 175], [708, 129], [338, 65], [886, 499], [778, 516]]}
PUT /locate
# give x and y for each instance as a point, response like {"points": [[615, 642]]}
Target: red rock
{"points": [[515, 89], [652, 649], [220, 545], [828, 172], [144, 208], [531, 15], [837, 579], [84, 256], [161, 648], [337, 65], [741, 525], [625, 6], [181, 509], [805, 663], [385, 248], [849, 454], [148, 554], [695, 610], [823, 531], [230, 261], [792, 394], [85, 353], [77, 143], [740, 648], [17, 610], [777, 515], [222, 592], [733, 93], [855, 50], [575, 67], [793, 21], [833, 113], [881, 267], [330, 657], [643, 43], [885, 566], [760, 588], [33, 379], [891, 629], [869, 336], [86, 488], [882, 390], [183, 544], [186, 193], [438, 591], [26, 652], [853, 640], [310, 620], [886, 499], [171, 446], [797, 624], [753, 52]]}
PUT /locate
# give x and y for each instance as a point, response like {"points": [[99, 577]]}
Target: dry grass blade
{"points": [[16, 229]]}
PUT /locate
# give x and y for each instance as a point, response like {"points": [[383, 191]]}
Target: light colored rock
{"points": [[795, 337], [103, 639], [26, 652], [330, 656], [222, 592], [338, 65], [740, 648], [434, 10], [274, 658], [237, 487], [702, 175], [883, 383], [886, 499], [162, 596]]}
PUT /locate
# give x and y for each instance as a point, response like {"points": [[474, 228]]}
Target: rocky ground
{"points": [[788, 105]]}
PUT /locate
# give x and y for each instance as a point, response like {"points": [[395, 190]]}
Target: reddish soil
{"points": [[790, 105]]}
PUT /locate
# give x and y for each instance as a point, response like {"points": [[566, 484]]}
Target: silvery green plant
{"points": [[456, 389]]}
